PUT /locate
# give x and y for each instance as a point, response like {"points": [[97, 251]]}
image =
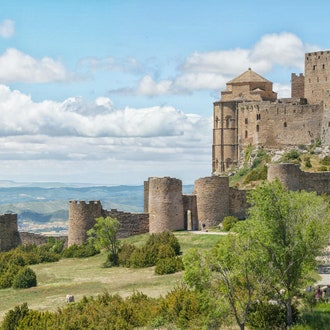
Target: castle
{"points": [[249, 113]]}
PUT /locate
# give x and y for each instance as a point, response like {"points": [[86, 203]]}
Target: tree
{"points": [[230, 273], [291, 228], [104, 236]]}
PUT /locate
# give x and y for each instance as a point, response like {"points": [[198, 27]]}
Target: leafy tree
{"points": [[291, 229], [231, 273], [104, 236]]}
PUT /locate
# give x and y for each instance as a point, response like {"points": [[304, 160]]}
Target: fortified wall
{"points": [[167, 208]]}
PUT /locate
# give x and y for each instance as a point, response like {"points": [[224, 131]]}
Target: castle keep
{"points": [[249, 113]]}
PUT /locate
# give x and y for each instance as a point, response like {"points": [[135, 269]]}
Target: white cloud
{"points": [[16, 66], [211, 70], [93, 139], [7, 28]]}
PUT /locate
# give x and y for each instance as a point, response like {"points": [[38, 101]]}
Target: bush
{"points": [[25, 278], [322, 169], [229, 222], [292, 156], [270, 316], [112, 260], [80, 251], [308, 163], [325, 161], [125, 253], [168, 265], [13, 317], [257, 174]]}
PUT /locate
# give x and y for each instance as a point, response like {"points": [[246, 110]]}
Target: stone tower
{"points": [[165, 204], [9, 236], [247, 87], [82, 217], [212, 200]]}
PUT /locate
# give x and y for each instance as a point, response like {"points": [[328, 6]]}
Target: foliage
{"points": [[168, 265], [290, 228], [259, 173], [308, 163], [325, 161], [13, 317], [11, 262], [229, 222], [269, 315], [247, 154], [80, 251], [25, 278], [158, 246], [322, 169], [104, 236], [292, 156]]}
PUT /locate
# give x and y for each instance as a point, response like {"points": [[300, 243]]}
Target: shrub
{"points": [[80, 251], [229, 222], [308, 163], [13, 317], [125, 253], [292, 156], [270, 316], [322, 169], [112, 260], [168, 265], [25, 278], [325, 160], [257, 174]]}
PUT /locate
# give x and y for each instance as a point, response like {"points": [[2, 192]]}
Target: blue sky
{"points": [[113, 92]]}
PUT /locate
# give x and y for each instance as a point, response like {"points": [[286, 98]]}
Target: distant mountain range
{"points": [[43, 207]]}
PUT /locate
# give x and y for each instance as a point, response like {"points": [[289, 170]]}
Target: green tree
{"points": [[104, 236], [291, 228], [230, 273]]}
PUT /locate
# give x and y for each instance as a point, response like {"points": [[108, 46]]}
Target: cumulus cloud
{"points": [[7, 28], [77, 117], [211, 70], [94, 133], [16, 66]]}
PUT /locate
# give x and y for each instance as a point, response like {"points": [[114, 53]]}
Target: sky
{"points": [[117, 91]]}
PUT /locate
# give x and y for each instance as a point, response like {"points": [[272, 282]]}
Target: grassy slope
{"points": [[87, 277]]}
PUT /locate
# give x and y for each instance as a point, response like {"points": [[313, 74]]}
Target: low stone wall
{"points": [[131, 223], [38, 239]]}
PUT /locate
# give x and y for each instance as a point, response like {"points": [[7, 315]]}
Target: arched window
{"points": [[228, 121], [285, 124], [246, 134]]}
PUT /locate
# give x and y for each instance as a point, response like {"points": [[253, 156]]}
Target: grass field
{"points": [[87, 277]]}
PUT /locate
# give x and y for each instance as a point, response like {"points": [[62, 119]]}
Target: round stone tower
{"points": [[288, 174], [9, 236], [165, 205], [82, 217], [212, 200]]}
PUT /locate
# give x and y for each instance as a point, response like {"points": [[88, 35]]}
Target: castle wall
{"points": [[9, 236], [297, 86], [294, 179], [82, 217], [131, 223], [317, 76], [165, 205], [237, 203], [212, 200], [276, 125], [38, 239]]}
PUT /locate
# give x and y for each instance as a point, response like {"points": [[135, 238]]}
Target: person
{"points": [[318, 293], [326, 291]]}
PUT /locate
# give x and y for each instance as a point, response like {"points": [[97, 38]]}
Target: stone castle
{"points": [[249, 113]]}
